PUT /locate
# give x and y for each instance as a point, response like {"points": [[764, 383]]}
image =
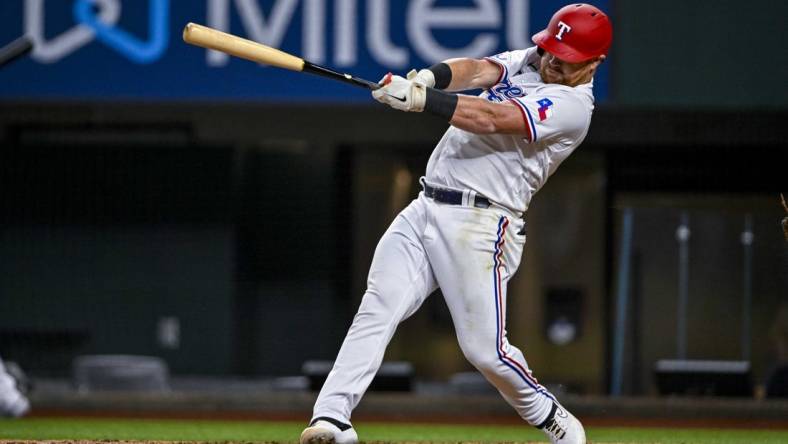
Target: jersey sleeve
{"points": [[510, 62], [553, 116]]}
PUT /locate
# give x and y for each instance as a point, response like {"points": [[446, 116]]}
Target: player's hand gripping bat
{"points": [[210, 38]]}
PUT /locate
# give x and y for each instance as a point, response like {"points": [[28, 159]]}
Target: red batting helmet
{"points": [[576, 33]]}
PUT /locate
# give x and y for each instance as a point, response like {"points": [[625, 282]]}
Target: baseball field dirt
{"points": [[93, 430]]}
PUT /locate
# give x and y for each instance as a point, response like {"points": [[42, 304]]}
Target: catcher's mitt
{"points": [[785, 219]]}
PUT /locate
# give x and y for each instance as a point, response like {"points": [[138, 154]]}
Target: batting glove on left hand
{"points": [[401, 94]]}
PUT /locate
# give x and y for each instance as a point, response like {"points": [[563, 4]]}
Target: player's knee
{"points": [[485, 359]]}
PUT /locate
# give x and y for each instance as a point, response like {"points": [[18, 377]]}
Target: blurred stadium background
{"points": [[158, 200]]}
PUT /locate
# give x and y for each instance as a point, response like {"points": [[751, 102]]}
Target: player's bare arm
{"points": [[469, 113], [459, 74], [480, 116], [472, 74]]}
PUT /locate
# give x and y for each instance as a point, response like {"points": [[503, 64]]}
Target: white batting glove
{"points": [[424, 76], [401, 94]]}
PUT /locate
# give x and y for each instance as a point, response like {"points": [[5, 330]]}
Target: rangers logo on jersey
{"points": [[545, 108], [503, 91]]}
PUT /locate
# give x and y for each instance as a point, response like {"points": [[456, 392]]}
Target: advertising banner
{"points": [[133, 49]]}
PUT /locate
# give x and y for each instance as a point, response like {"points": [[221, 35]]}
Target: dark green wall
{"points": [[74, 290], [700, 54], [101, 241]]}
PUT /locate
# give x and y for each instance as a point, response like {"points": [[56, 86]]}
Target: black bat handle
{"points": [[16, 48], [347, 78]]}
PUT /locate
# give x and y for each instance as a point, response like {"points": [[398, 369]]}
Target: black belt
{"points": [[452, 197]]}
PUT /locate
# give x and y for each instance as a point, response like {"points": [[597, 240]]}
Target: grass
{"points": [[288, 432]]}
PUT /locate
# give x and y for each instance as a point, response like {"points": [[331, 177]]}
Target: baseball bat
{"points": [[15, 49], [210, 38]]}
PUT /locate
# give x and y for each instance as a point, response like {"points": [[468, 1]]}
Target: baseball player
{"points": [[12, 402], [465, 232]]}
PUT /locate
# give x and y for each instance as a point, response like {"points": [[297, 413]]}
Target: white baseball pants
{"points": [[470, 253]]}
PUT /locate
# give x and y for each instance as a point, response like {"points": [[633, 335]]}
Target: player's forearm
{"points": [[479, 116], [471, 74]]}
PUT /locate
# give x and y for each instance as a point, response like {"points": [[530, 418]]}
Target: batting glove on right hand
{"points": [[401, 94], [424, 76]]}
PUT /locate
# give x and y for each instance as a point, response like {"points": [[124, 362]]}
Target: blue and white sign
{"points": [[132, 49]]}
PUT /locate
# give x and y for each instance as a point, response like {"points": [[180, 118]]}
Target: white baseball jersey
{"points": [[509, 169]]}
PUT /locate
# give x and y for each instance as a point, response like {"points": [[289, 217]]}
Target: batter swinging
{"points": [[465, 231]]}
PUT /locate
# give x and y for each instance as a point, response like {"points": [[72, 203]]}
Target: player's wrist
{"points": [[440, 103], [441, 75]]}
